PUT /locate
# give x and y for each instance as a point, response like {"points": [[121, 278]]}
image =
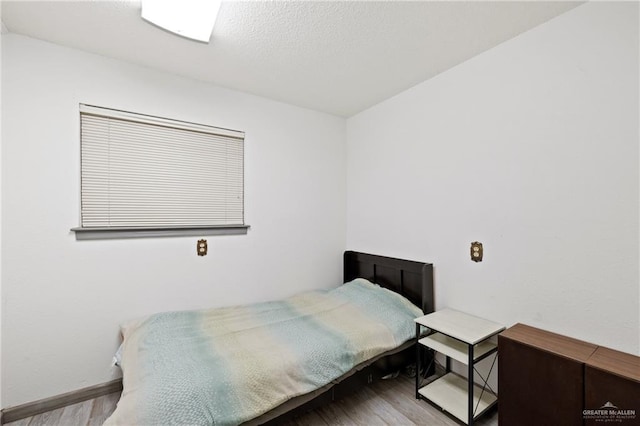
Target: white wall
{"points": [[62, 299], [530, 148]]}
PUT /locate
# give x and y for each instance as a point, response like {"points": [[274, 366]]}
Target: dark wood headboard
{"points": [[413, 280]]}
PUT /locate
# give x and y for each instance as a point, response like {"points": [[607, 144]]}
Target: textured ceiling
{"points": [[339, 57]]}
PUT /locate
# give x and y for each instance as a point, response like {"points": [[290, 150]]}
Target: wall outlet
{"points": [[476, 251], [202, 247]]}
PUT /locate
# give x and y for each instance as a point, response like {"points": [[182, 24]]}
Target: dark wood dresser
{"points": [[612, 382], [540, 377]]}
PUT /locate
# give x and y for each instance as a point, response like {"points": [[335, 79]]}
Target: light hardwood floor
{"points": [[90, 413], [387, 402]]}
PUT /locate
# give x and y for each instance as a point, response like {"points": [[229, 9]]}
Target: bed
{"points": [[263, 363]]}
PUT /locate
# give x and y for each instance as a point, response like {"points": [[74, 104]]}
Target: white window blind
{"points": [[146, 172]]}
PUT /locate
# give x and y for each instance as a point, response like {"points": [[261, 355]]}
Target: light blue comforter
{"points": [[225, 366]]}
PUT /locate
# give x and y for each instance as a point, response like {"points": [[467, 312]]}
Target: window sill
{"points": [[108, 233]]}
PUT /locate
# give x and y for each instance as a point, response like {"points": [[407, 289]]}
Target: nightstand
{"points": [[466, 339]]}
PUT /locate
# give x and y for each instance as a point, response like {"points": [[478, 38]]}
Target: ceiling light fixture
{"points": [[193, 19]]}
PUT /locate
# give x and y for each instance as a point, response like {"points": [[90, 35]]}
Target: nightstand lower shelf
{"points": [[449, 392]]}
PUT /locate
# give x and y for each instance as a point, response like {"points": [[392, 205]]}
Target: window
{"points": [[150, 176]]}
